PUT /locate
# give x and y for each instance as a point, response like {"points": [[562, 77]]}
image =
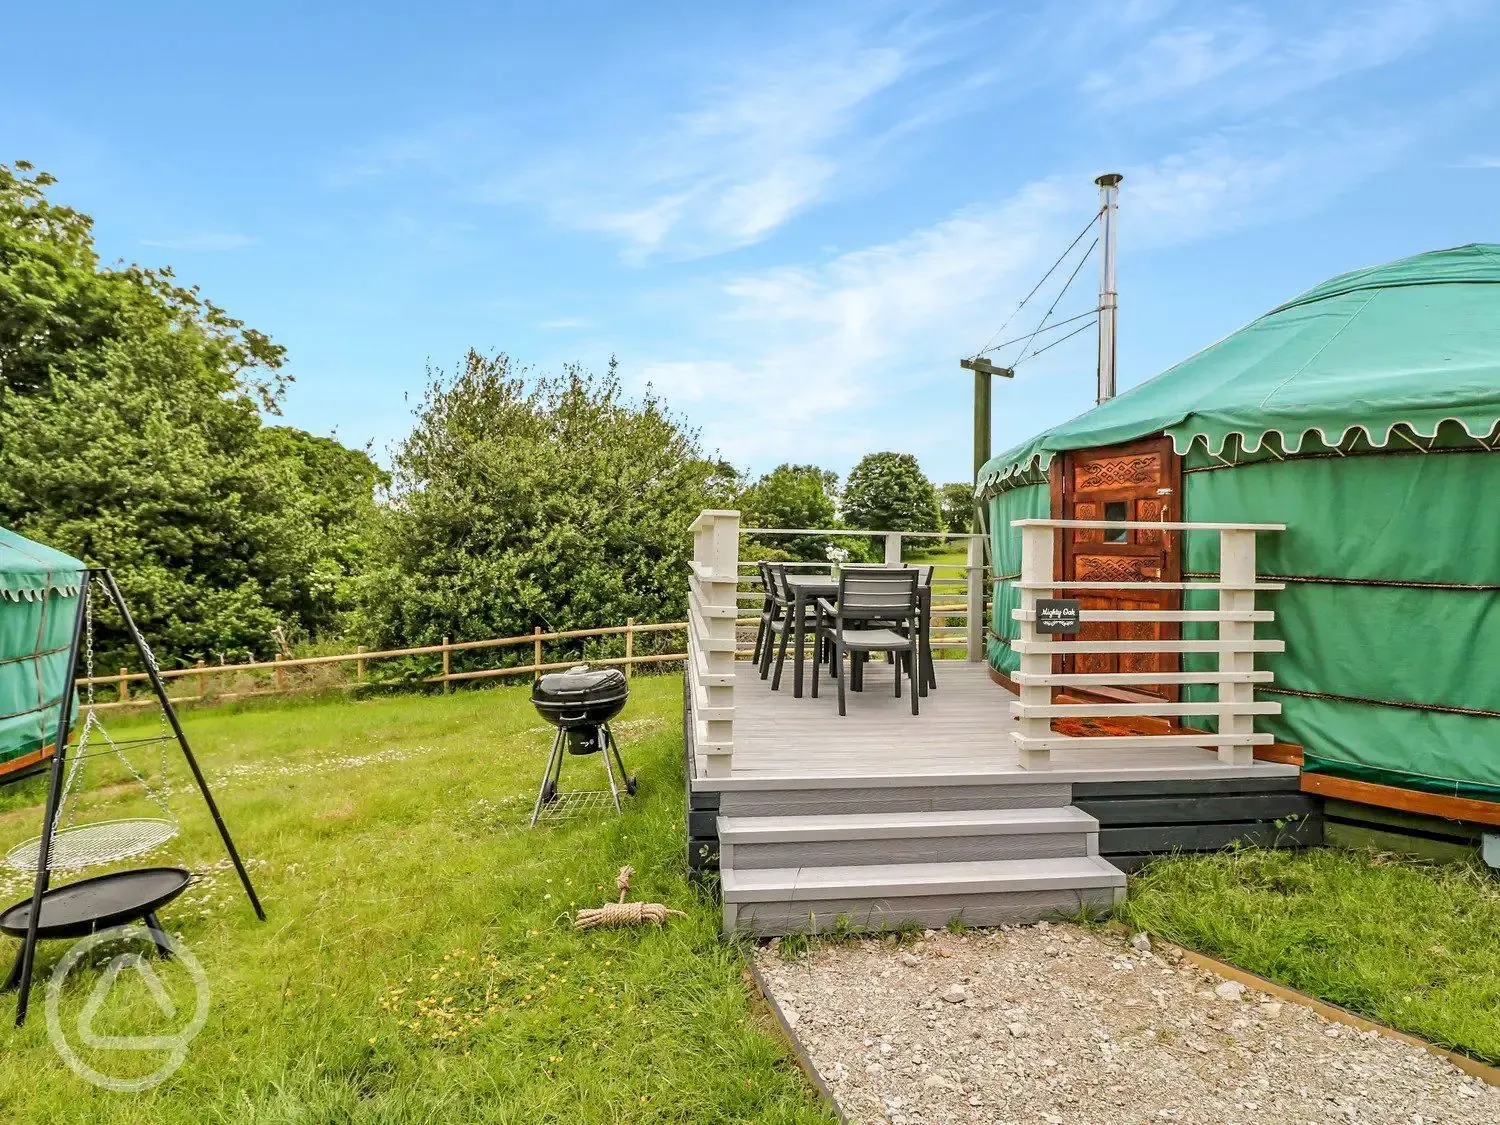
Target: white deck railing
{"points": [[958, 589], [712, 609], [1236, 646]]}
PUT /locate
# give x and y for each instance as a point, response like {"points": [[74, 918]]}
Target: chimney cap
{"points": [[1109, 179]]}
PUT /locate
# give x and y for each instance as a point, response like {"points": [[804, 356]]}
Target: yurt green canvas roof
{"points": [[1363, 415], [38, 605]]}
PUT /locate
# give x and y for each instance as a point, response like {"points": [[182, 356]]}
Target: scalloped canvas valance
{"points": [[1410, 344]]}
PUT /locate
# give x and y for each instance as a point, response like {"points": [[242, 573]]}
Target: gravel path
{"points": [[1066, 1026]]}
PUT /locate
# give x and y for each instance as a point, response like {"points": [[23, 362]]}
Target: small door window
{"points": [[1117, 510]]}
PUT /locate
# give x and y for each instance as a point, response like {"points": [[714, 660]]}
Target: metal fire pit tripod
{"points": [[109, 900]]}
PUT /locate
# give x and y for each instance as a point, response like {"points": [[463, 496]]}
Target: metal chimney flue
{"points": [[1109, 205]]}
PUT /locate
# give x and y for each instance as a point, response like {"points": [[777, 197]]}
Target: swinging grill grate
{"points": [[105, 841]]}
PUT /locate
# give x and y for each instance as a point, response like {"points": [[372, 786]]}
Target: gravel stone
{"points": [[1072, 1039], [1230, 990]]}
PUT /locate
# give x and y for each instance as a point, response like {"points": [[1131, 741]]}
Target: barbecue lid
{"points": [[580, 685]]}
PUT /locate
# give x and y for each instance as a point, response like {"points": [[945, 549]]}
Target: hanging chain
{"points": [[75, 770]]}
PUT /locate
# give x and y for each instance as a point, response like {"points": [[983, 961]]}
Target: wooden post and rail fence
{"points": [[206, 677]]}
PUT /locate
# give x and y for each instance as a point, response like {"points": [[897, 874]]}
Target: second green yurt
{"points": [[39, 590]]}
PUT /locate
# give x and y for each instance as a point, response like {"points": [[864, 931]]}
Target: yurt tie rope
{"points": [[624, 913]]}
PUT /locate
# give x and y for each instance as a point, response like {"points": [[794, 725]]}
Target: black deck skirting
{"points": [[1139, 820], [702, 807]]}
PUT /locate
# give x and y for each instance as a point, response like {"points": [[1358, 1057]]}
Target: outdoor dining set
{"points": [[856, 612]]}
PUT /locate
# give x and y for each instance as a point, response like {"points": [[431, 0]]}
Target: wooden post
{"points": [[280, 675], [1036, 567], [359, 667], [629, 645], [536, 655], [975, 600], [124, 686], [448, 665], [1237, 565], [202, 682], [892, 548]]}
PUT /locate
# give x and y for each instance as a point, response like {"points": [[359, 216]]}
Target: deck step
{"points": [[781, 900], [748, 842], [819, 797]]}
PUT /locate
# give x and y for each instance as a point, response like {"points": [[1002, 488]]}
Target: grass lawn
{"points": [[418, 963], [1408, 944]]}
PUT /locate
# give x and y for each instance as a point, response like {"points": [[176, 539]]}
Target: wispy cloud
{"points": [[1239, 60], [806, 362], [207, 241], [759, 149]]}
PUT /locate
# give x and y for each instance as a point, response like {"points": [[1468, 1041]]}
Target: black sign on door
{"points": [[1057, 615]]}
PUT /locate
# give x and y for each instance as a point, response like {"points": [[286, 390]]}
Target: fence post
{"points": [[1237, 566], [975, 600], [892, 548], [629, 645], [124, 686], [536, 655], [1036, 568], [202, 682], [447, 665], [359, 666], [713, 606], [280, 675]]}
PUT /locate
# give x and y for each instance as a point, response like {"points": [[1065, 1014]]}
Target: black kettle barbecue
{"points": [[580, 703]]}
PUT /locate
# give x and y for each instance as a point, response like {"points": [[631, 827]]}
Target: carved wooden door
{"points": [[1138, 481]]}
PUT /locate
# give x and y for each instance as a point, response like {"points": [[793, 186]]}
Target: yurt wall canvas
{"points": [[39, 589]]}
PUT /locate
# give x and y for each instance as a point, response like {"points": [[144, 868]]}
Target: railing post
{"points": [[713, 607], [975, 600], [1237, 566], [124, 686], [448, 665], [629, 645], [202, 682], [536, 654], [359, 667], [892, 548], [1036, 568], [280, 675]]}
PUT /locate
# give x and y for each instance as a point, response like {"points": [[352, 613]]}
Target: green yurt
{"points": [[1363, 415], [39, 590]]}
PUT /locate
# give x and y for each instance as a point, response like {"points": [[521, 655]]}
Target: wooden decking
{"points": [[961, 736]]}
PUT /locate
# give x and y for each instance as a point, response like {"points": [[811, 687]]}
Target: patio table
{"points": [[808, 588]]}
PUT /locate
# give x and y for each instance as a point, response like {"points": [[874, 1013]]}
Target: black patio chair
{"points": [[924, 580], [783, 623], [767, 612], [877, 611]]}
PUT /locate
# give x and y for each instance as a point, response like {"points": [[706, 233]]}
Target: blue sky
{"points": [[792, 219]]}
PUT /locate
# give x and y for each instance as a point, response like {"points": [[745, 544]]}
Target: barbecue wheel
{"points": [[549, 793], [630, 786]]}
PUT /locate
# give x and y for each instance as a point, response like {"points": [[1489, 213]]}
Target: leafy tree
{"points": [[887, 492], [957, 503], [521, 501], [334, 493], [131, 436], [790, 496]]}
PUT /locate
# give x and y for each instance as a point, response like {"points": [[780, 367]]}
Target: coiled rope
{"points": [[624, 913]]}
